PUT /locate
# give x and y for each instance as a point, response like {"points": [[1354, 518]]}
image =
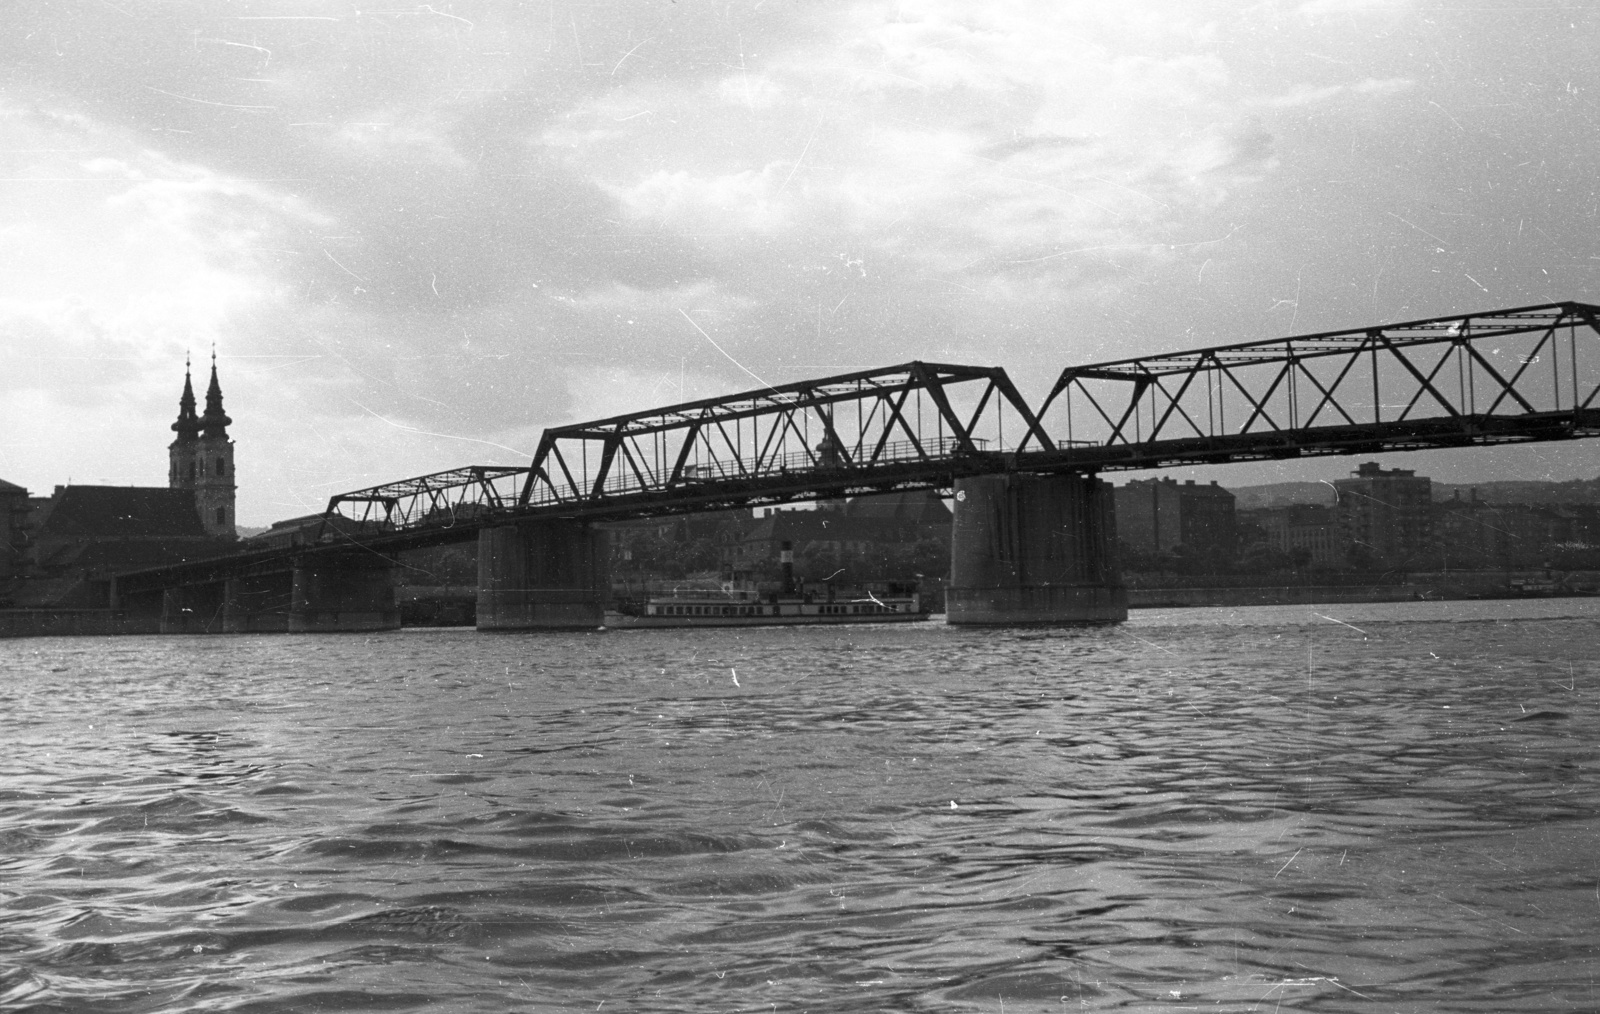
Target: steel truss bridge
{"points": [[1524, 374]]}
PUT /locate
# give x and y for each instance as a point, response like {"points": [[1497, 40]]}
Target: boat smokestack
{"points": [[786, 562]]}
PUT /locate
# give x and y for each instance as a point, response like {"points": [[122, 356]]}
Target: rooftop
{"points": [[120, 512]]}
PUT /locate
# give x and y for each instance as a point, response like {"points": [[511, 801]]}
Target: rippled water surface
{"points": [[1384, 808]]}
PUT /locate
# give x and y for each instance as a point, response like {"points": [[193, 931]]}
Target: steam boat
{"points": [[730, 606]]}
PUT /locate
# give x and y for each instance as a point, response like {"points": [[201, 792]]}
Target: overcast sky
{"points": [[418, 234]]}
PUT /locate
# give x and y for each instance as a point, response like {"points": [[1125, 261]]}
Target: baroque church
{"points": [[60, 551], [201, 458]]}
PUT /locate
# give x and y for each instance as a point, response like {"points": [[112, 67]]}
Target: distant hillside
{"points": [[1284, 494], [1281, 494], [1572, 491]]}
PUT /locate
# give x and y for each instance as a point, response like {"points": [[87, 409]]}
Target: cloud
{"points": [[1052, 131], [1310, 95], [1383, 86], [749, 200], [120, 253], [391, 133], [1305, 95], [753, 91], [1321, 8], [414, 229]]}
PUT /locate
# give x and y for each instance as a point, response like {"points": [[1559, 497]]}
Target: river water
{"points": [[1336, 808]]}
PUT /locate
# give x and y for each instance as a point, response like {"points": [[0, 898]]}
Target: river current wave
{"points": [[1283, 809]]}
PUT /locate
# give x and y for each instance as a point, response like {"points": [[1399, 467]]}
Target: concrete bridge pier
{"points": [[343, 591], [258, 603], [543, 575], [1034, 549], [138, 613], [193, 609], [346, 591]]}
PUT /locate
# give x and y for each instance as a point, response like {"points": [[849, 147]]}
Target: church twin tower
{"points": [[201, 458]]}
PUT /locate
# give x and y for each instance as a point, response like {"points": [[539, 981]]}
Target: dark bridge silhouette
{"points": [[1515, 375]]}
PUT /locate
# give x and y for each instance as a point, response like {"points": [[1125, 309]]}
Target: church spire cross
{"points": [[188, 423], [215, 420]]}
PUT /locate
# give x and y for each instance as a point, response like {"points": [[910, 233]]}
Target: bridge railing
{"points": [[1463, 379]]}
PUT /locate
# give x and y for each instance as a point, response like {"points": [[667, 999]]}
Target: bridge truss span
{"points": [[459, 496], [1527, 373], [1522, 374], [841, 430], [917, 425]]}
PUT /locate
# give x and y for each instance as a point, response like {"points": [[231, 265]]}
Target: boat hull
{"points": [[627, 621], [745, 607]]}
